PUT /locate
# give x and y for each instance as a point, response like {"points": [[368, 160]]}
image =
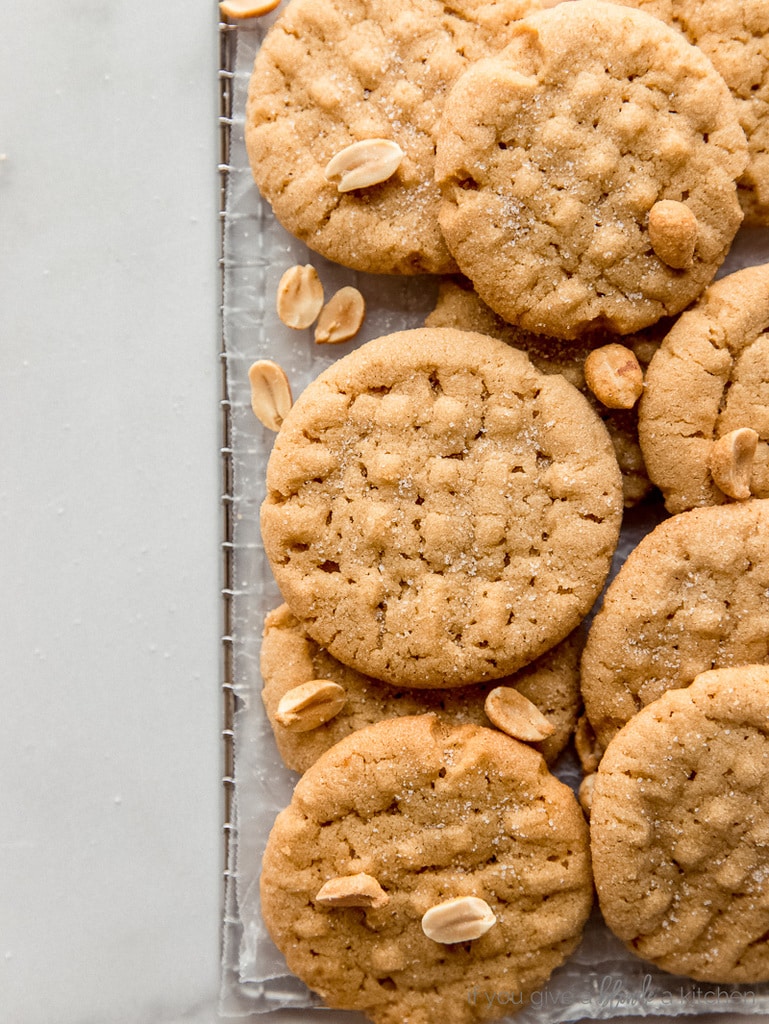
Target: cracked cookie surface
{"points": [[694, 595], [552, 153], [461, 307], [710, 377], [289, 657], [332, 74], [432, 812], [735, 36], [679, 829], [439, 512]]}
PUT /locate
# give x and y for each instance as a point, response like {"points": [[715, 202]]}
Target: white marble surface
{"points": [[110, 834]]}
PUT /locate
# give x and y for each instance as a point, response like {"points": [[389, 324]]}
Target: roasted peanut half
{"points": [[300, 297], [270, 393], [341, 317], [731, 462], [239, 9], [459, 920], [614, 375], [589, 750], [514, 714], [586, 793], [352, 891], [310, 705], [673, 233], [363, 164]]}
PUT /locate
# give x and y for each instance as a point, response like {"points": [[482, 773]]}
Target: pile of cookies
{"points": [[444, 503]]}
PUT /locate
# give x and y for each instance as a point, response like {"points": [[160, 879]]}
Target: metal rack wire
{"points": [[244, 989], [226, 64]]}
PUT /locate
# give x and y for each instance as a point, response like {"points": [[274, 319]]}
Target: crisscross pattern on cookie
{"points": [[552, 153], [332, 74], [438, 511], [735, 36], [709, 378], [433, 812], [694, 595], [680, 829], [461, 307]]}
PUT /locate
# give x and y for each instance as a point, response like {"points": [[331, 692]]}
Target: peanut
{"points": [[300, 297], [673, 232], [352, 891], [270, 393], [586, 793], [731, 462], [364, 163], [240, 9], [341, 317], [458, 920], [589, 750], [310, 705], [514, 714], [614, 375]]}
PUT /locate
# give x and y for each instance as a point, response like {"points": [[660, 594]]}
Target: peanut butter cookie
{"points": [[694, 595], [460, 306], [735, 36], [679, 827], [290, 658], [439, 512], [349, 72], [709, 380], [426, 872], [553, 155]]}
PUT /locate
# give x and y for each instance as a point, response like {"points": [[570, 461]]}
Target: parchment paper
{"points": [[602, 980]]}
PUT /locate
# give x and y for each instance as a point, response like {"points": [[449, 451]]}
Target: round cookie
{"points": [[439, 512], [679, 828], [694, 595], [709, 378], [289, 657], [460, 306], [332, 74], [552, 158], [431, 812], [735, 36]]}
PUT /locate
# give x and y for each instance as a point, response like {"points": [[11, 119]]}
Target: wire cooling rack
{"points": [[227, 39], [602, 980]]}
